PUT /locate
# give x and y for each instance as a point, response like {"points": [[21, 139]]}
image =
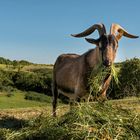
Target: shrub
{"points": [[33, 82], [129, 78], [39, 81], [6, 79], [37, 97], [9, 91]]}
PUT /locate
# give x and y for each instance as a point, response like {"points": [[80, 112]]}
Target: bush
{"points": [[39, 81], [9, 94], [129, 79], [6, 79], [37, 97], [9, 91], [33, 82], [5, 61]]}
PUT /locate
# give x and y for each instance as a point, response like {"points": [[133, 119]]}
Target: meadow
{"points": [[17, 100], [25, 106]]}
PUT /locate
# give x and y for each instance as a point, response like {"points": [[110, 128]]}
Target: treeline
{"points": [[14, 62], [36, 79], [26, 81]]}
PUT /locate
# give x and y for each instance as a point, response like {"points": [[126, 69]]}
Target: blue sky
{"points": [[39, 30]]}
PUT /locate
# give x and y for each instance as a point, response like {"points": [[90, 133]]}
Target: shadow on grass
{"points": [[12, 123]]}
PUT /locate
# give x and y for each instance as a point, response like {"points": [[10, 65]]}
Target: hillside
{"points": [[25, 76]]}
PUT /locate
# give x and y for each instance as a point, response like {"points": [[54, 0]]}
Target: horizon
{"points": [[39, 31], [53, 64]]}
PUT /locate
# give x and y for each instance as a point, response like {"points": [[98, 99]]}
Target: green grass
{"points": [[97, 77], [36, 67], [18, 101], [2, 66], [131, 103]]}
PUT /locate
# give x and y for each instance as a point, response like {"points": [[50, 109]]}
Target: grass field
{"points": [[19, 107], [26, 67], [18, 101]]}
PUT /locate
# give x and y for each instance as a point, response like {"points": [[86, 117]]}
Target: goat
{"points": [[71, 71]]}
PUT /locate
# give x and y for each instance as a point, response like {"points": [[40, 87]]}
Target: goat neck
{"points": [[94, 58]]}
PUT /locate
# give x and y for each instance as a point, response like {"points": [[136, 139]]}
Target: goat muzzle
{"points": [[107, 63]]}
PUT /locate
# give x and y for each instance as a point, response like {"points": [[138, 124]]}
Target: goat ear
{"points": [[92, 41]]}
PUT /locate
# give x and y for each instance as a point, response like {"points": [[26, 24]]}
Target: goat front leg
{"points": [[105, 87]]}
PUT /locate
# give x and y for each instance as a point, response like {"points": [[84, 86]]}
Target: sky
{"points": [[39, 30]]}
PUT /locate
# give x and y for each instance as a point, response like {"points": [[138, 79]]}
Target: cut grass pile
{"points": [[87, 121]]}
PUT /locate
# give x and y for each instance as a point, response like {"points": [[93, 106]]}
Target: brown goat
{"points": [[71, 71]]}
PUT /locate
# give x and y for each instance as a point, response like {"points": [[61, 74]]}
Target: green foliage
{"points": [[129, 77], [43, 72], [37, 97], [84, 122], [33, 82], [5, 61], [14, 62], [6, 79], [9, 94], [38, 81]]}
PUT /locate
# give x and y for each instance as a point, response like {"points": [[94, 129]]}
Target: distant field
{"points": [[18, 101], [36, 66], [3, 66], [18, 107], [26, 67]]}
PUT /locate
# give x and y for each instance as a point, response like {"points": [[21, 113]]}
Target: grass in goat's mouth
{"points": [[98, 76]]}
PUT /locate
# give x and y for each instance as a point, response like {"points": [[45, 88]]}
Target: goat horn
{"points": [[100, 27], [121, 32]]}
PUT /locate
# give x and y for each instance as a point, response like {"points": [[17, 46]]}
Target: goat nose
{"points": [[107, 63]]}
